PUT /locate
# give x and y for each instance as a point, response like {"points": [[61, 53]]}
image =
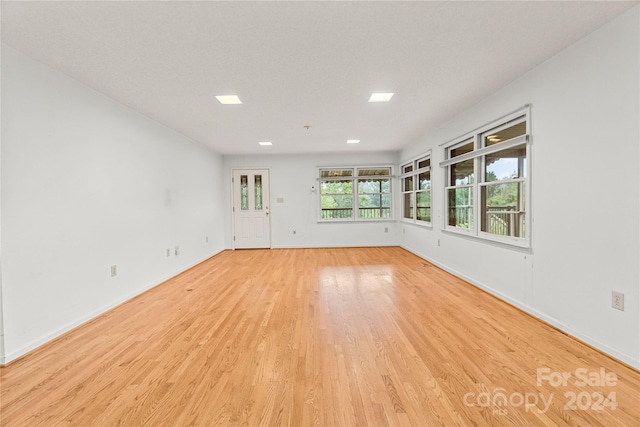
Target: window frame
{"points": [[414, 175], [355, 199], [479, 182]]}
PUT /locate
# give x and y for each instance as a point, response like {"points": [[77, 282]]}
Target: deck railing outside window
{"points": [[505, 221], [460, 216], [364, 213]]}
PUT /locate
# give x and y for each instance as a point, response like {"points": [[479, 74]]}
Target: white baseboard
{"points": [[625, 358], [628, 359], [368, 245], [34, 344]]}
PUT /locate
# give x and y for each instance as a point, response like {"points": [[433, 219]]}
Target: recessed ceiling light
{"points": [[228, 99], [352, 141], [265, 143], [380, 97]]}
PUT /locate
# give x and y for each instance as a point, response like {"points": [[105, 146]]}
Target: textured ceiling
{"points": [[298, 63]]}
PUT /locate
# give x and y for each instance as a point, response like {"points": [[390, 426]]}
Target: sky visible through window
{"points": [[504, 168]]}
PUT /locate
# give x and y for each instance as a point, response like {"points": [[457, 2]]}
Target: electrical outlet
{"points": [[617, 300], [168, 252], [114, 270], [206, 239], [438, 242], [177, 250]]}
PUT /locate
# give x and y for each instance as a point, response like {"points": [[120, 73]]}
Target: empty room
{"points": [[343, 213]]}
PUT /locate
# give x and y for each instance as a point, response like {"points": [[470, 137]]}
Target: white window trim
{"points": [[356, 200], [414, 174], [518, 140], [478, 155]]}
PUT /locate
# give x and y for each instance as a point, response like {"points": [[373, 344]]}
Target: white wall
{"points": [[2, 351], [86, 184], [292, 177], [585, 188]]}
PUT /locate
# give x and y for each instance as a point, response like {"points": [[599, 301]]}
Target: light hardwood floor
{"points": [[316, 337]]}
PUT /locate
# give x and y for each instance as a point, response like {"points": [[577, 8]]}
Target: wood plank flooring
{"points": [[317, 337]]}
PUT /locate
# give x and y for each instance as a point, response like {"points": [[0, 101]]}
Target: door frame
{"points": [[233, 216]]}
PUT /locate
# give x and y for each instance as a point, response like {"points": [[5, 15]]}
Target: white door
{"points": [[251, 224]]}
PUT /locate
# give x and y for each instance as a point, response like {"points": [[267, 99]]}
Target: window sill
{"points": [[353, 221], [500, 241], [417, 223]]}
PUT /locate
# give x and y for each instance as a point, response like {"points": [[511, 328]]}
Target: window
{"points": [[486, 189], [460, 190], [357, 193], [416, 191], [336, 193]]}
